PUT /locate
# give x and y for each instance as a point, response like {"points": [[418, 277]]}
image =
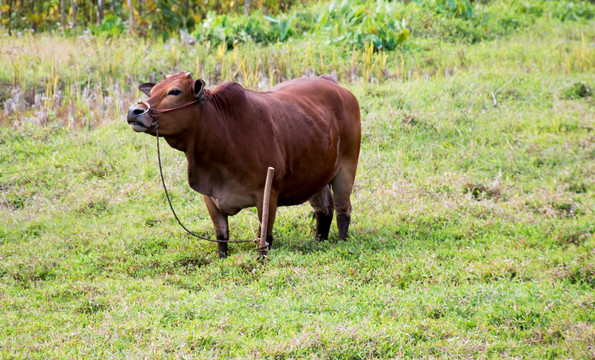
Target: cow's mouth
{"points": [[137, 126]]}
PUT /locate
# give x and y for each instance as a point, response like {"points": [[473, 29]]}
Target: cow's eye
{"points": [[174, 92]]}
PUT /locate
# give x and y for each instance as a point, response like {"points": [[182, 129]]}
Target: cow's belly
{"points": [[298, 187], [228, 195], [231, 206], [231, 202]]}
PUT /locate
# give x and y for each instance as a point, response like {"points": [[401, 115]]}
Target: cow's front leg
{"points": [[221, 226]]}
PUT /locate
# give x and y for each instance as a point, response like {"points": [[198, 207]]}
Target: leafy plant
{"points": [[355, 22], [456, 8], [352, 21], [234, 29], [111, 25], [169, 17]]}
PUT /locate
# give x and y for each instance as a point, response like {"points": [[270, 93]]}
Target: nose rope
{"points": [[153, 112], [177, 107]]}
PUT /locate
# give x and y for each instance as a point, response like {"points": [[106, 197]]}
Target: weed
{"points": [[91, 306], [482, 192], [577, 90]]}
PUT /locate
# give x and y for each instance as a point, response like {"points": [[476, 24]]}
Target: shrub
{"points": [[111, 25], [352, 21], [357, 22], [234, 29]]}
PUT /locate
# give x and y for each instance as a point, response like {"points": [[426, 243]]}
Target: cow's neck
{"points": [[179, 142], [185, 139]]}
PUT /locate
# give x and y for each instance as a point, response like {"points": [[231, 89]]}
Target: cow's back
{"points": [[324, 99]]}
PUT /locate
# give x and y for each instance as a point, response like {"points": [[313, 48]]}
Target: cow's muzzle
{"points": [[139, 117]]}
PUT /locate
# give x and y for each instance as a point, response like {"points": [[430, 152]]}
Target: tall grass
{"points": [[49, 78], [93, 74]]}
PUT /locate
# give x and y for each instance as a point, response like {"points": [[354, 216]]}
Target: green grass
{"points": [[472, 230]]}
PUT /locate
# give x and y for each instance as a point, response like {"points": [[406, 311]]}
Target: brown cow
{"points": [[307, 129]]}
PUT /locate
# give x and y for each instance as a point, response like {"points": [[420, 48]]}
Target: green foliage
{"points": [[255, 28], [388, 25], [154, 17], [362, 23], [111, 25], [383, 25], [462, 20], [576, 91], [168, 18], [454, 8], [234, 29], [351, 22]]}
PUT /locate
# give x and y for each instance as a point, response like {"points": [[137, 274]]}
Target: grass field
{"points": [[472, 231]]}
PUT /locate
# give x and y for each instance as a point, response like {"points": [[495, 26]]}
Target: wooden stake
{"points": [[265, 212]]}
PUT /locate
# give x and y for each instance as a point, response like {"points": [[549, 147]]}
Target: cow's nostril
{"points": [[138, 111]]}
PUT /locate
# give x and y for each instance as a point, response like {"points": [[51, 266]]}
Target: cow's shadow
{"points": [[360, 240], [295, 230]]}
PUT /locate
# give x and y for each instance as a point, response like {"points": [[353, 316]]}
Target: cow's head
{"points": [[167, 106]]}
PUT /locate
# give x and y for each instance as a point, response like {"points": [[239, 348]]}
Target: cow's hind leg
{"points": [[221, 226], [342, 185], [323, 211]]}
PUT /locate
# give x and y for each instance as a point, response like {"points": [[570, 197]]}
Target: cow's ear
{"points": [[146, 88], [199, 88]]}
